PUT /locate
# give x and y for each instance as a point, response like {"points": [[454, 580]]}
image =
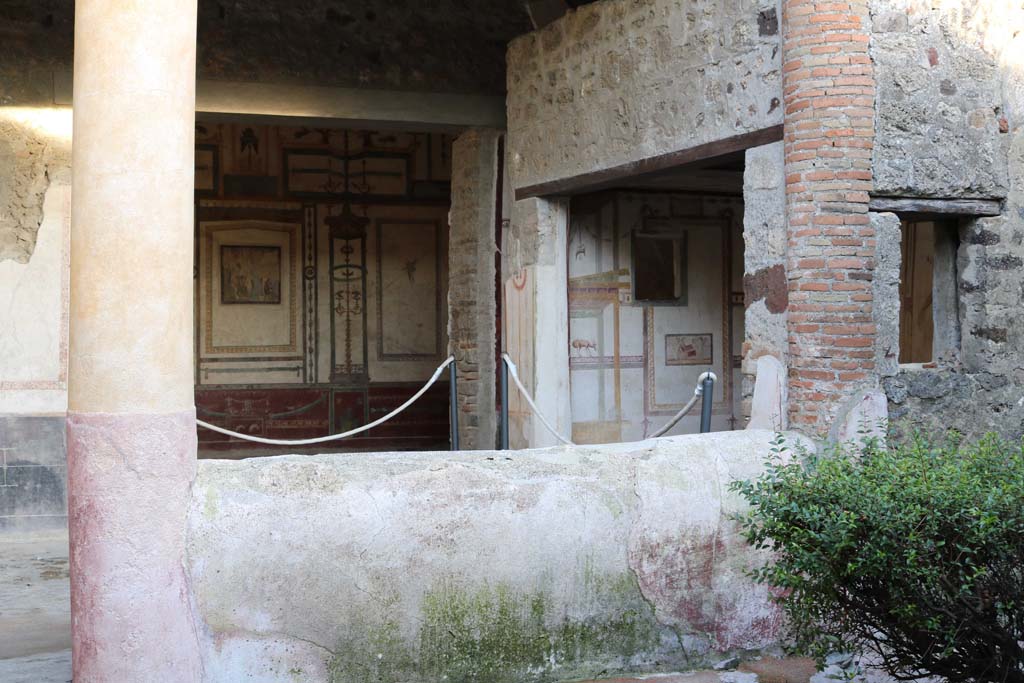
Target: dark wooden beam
{"points": [[636, 170], [942, 208]]}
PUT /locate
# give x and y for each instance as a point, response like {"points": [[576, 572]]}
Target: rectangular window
{"points": [[929, 318], [659, 266]]}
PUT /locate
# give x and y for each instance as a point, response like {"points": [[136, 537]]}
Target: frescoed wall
{"points": [[321, 277], [634, 354]]}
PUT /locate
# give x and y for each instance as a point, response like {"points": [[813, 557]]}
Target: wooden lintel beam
{"points": [[937, 207], [636, 170]]}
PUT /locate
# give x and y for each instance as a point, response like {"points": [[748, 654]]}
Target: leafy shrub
{"points": [[913, 552]]}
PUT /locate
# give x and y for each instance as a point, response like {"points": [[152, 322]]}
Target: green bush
{"points": [[913, 552]]}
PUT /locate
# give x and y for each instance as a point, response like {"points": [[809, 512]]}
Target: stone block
{"points": [[864, 416], [769, 407]]}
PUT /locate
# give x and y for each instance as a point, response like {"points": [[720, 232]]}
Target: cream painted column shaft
{"points": [[133, 168], [131, 420]]}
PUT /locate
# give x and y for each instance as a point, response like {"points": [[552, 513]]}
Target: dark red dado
{"points": [[301, 413]]}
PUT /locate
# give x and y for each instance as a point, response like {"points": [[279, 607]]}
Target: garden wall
{"points": [[492, 566]]}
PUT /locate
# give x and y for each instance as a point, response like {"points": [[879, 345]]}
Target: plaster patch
{"points": [[769, 284], [30, 156]]}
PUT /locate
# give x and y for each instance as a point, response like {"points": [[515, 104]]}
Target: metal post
{"points": [[504, 404], [707, 397], [453, 399]]}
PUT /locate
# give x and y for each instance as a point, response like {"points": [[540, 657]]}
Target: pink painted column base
{"points": [[129, 480]]}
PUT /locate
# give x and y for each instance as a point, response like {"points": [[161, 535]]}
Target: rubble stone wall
{"points": [[950, 124], [622, 80]]}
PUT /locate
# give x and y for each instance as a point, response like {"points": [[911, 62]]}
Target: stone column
{"points": [[131, 420], [471, 290], [829, 93]]}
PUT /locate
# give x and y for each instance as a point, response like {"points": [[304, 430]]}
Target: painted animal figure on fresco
{"points": [[582, 345]]}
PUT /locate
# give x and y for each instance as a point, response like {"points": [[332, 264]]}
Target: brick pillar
{"points": [[472, 304], [829, 93]]}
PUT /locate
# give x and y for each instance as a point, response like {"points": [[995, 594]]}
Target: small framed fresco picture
{"points": [[207, 170], [689, 349], [250, 274]]}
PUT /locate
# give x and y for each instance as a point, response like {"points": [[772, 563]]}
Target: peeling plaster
{"points": [[28, 160]]}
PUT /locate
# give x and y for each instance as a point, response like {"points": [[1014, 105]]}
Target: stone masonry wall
{"points": [[940, 103], [950, 118], [622, 80], [829, 93], [471, 272]]}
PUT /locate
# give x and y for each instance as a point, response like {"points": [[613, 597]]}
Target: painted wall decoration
{"points": [[274, 326], [250, 274], [250, 151], [207, 170], [379, 175], [689, 349], [308, 412], [310, 292], [408, 298], [634, 363], [348, 297], [358, 320]]}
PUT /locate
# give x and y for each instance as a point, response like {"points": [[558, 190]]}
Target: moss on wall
{"points": [[493, 634]]}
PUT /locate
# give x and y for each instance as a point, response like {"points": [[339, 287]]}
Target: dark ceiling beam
{"points": [[635, 171]]}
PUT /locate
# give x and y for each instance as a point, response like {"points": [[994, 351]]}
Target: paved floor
{"points": [[35, 612]]}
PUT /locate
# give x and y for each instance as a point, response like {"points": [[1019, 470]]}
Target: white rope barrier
{"points": [[514, 374], [697, 393], [335, 437]]}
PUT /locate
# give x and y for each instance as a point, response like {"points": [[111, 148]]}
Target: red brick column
{"points": [[829, 93]]}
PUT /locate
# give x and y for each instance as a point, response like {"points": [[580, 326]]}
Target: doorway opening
{"points": [[321, 276], [655, 290]]}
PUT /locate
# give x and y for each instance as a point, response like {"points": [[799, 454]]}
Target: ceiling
{"points": [[425, 45]]}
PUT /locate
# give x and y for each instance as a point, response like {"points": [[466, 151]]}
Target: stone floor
{"points": [[764, 670], [35, 612]]}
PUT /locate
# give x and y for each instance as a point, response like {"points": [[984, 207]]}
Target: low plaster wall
{"points": [[493, 566]]}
